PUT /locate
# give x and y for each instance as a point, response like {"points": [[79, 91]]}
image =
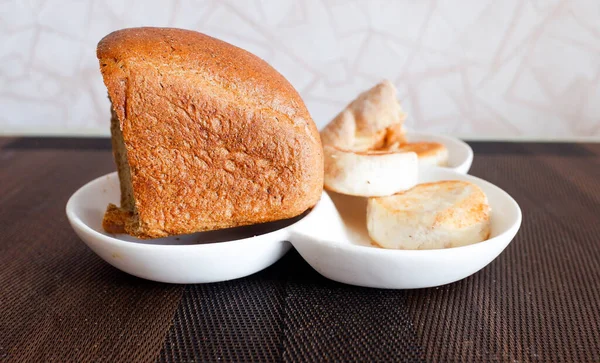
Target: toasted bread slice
{"points": [[429, 153], [372, 173], [430, 216]]}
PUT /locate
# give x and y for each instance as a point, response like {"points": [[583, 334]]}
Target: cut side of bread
{"points": [[369, 173], [429, 153], [116, 217], [205, 135], [430, 216]]}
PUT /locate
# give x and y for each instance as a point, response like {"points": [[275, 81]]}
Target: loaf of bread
{"points": [[205, 135]]}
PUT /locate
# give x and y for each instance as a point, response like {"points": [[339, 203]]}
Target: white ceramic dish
{"points": [[196, 258], [460, 154], [335, 245]]}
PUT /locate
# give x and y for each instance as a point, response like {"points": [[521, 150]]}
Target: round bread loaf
{"points": [[205, 135]]}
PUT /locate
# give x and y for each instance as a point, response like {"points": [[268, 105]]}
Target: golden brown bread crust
{"points": [[422, 148], [214, 136], [115, 218]]}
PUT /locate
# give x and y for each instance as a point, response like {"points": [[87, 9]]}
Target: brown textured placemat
{"points": [[537, 302], [58, 301]]}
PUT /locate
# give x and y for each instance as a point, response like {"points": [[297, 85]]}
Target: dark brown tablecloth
{"points": [[539, 301]]}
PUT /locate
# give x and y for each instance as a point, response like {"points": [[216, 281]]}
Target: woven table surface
{"points": [[538, 301]]}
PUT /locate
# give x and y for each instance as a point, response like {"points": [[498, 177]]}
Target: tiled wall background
{"points": [[473, 68]]}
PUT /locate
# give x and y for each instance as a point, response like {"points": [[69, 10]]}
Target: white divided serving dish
{"points": [[334, 244]]}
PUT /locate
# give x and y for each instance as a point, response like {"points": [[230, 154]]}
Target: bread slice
{"points": [[359, 159], [430, 216], [374, 173], [429, 153], [374, 120], [205, 135]]}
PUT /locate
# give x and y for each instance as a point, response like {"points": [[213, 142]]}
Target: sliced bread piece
{"points": [[430, 216], [358, 158], [371, 173]]}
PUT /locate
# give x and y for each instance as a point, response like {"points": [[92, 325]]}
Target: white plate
{"points": [[460, 154], [335, 245]]}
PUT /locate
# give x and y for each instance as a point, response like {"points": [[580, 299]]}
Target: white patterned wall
{"points": [[473, 68]]}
